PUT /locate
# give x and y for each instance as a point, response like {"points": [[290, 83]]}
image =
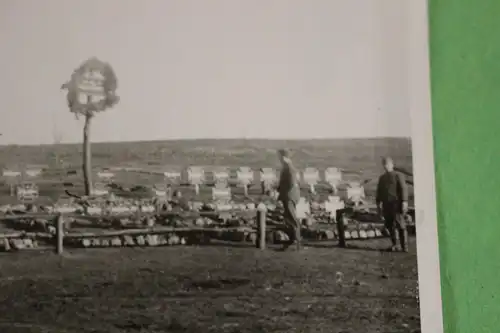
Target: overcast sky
{"points": [[208, 69]]}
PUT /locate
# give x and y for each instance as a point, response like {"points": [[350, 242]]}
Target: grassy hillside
{"points": [[358, 154]]}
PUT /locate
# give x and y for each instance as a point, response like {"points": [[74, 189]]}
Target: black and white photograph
{"points": [[217, 166]]}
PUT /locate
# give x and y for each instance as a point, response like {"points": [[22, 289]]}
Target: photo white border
{"points": [[431, 313]]}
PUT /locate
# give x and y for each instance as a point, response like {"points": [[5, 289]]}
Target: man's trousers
{"points": [[395, 223], [292, 222]]}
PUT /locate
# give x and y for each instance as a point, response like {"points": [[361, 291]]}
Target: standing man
{"points": [[289, 195], [392, 204]]}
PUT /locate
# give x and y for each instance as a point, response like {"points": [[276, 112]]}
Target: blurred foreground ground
{"points": [[211, 289]]}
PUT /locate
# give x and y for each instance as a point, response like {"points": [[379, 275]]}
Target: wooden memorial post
{"points": [[245, 177], [59, 234], [261, 226], [340, 217], [311, 178]]}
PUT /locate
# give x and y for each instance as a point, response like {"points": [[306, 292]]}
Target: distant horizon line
{"points": [[212, 139]]}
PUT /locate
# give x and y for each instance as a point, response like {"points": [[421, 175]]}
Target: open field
{"points": [[213, 288], [354, 154]]}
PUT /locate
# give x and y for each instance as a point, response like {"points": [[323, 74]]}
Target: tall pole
{"points": [[56, 137]]}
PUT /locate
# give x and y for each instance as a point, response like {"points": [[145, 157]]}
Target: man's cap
{"points": [[387, 159], [284, 152]]}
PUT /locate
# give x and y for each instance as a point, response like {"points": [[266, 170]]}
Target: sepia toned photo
{"points": [[217, 166]]}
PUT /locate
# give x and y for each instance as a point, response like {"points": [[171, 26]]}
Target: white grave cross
{"points": [[355, 192], [12, 178], [333, 176], [221, 176], [221, 193], [245, 177], [333, 204], [170, 178], [195, 177], [311, 178], [267, 178]]}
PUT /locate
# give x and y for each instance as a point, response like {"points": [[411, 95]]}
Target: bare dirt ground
{"points": [[211, 289]]}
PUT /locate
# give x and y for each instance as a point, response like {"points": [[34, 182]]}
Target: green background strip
{"points": [[465, 84]]}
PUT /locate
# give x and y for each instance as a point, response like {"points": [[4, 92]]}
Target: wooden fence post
{"points": [[263, 187], [138, 213], [261, 226], [6, 243], [341, 227], [60, 234]]}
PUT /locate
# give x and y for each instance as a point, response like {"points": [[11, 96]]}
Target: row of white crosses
{"points": [[196, 176], [23, 185], [24, 190]]}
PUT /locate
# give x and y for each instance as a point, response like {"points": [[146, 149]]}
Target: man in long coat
{"points": [[289, 195]]}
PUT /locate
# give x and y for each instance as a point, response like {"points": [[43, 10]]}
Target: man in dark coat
{"points": [[392, 204], [289, 195]]}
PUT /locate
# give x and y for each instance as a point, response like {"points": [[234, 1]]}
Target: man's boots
{"points": [[294, 238], [403, 239], [297, 238], [394, 239]]}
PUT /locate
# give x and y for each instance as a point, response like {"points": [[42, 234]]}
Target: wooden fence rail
{"points": [[62, 234]]}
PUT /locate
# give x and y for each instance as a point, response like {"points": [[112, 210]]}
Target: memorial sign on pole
{"points": [[90, 90], [311, 178], [245, 177]]}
